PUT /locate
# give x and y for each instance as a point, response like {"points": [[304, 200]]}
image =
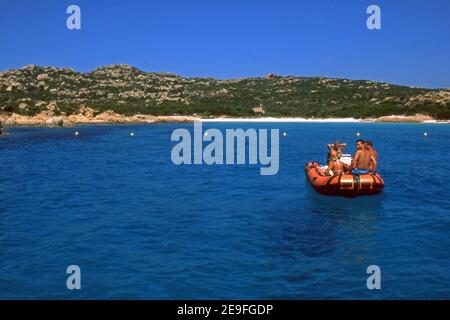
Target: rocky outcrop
{"points": [[45, 119], [393, 118], [110, 116], [272, 76], [53, 122], [87, 112]]}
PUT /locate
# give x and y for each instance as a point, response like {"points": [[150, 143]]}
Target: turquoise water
{"points": [[140, 227]]}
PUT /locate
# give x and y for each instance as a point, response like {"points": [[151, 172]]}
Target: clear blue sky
{"points": [[229, 39]]}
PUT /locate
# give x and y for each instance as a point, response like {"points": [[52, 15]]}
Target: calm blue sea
{"points": [[140, 227]]}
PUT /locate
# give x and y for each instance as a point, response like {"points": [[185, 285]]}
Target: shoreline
{"points": [[290, 119], [109, 117]]}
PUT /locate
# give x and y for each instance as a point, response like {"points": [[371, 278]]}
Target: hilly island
{"points": [[122, 93]]}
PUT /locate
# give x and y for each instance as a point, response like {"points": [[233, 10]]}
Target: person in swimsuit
{"points": [[369, 146], [335, 167], [335, 149], [363, 161]]}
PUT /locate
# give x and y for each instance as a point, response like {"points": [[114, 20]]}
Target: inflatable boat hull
{"points": [[346, 185]]}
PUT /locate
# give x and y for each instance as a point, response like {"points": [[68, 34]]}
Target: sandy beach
{"points": [[271, 119]]}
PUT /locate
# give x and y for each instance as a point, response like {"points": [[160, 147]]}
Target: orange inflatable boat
{"points": [[346, 185]]}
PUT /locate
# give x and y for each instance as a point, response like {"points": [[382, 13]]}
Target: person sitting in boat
{"points": [[369, 146], [335, 166], [363, 161], [335, 149]]}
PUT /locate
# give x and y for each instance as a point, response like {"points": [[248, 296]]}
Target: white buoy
{"points": [[132, 134], [77, 133], [284, 134], [358, 134], [425, 134], [206, 134]]}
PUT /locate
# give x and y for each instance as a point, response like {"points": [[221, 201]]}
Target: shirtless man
{"points": [[369, 146], [363, 161], [335, 167]]}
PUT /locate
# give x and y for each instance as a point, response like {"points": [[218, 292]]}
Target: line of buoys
{"points": [[76, 133]]}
